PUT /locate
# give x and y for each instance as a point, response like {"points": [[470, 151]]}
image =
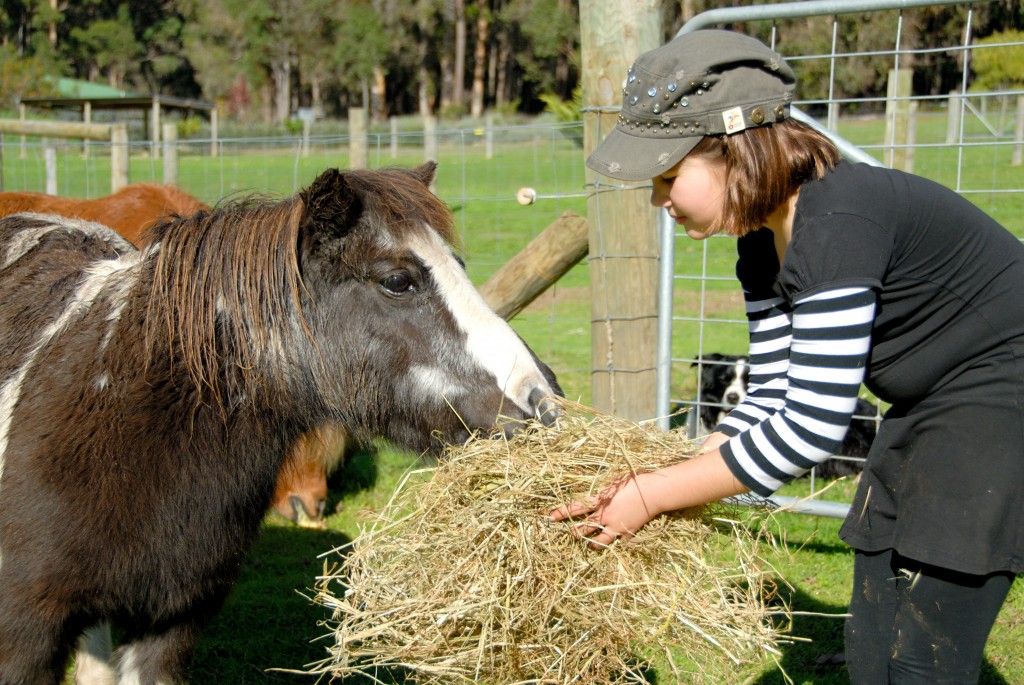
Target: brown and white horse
{"points": [[148, 399], [301, 492], [129, 211]]}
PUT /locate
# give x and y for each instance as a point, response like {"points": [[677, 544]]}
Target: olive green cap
{"points": [[707, 82]]}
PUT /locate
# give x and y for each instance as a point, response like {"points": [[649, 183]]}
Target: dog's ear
{"points": [[709, 357]]}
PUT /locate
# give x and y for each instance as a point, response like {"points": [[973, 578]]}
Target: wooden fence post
{"points": [[624, 244], [393, 121], [1018, 132], [429, 138], [897, 118], [214, 148], [953, 117], [170, 137], [489, 135], [358, 156], [50, 163], [119, 173]]}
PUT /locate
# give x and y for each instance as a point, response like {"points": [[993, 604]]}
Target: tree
{"points": [[998, 61], [360, 48], [110, 47]]}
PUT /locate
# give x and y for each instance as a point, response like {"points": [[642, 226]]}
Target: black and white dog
{"points": [[723, 385]]}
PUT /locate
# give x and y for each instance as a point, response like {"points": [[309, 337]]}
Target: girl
{"points": [[851, 274]]}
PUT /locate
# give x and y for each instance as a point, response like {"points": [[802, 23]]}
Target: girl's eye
{"points": [[397, 283]]}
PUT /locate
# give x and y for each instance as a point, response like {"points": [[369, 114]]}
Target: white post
{"points": [[489, 135], [430, 138], [170, 135], [1018, 132], [87, 118], [394, 137], [953, 117], [358, 157], [23, 115], [50, 155], [118, 157], [214, 148], [154, 128]]}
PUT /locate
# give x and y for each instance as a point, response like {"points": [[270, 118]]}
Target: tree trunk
{"points": [[53, 26], [479, 64], [501, 87], [378, 96], [425, 88], [282, 73], [315, 97], [459, 68]]}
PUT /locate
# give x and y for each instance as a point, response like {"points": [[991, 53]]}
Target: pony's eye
{"points": [[397, 283]]}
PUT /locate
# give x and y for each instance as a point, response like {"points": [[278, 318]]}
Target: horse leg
{"points": [[34, 646], [92, 660], [301, 493], [157, 658]]}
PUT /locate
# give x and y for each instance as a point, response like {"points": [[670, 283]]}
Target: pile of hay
{"points": [[463, 578]]}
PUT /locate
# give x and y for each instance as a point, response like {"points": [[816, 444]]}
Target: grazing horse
{"points": [[301, 494], [129, 211], [148, 398]]}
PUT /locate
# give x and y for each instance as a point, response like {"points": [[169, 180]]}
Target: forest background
{"points": [[264, 61]]}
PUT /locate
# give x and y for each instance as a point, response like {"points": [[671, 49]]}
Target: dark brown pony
{"points": [[301, 493], [148, 398]]}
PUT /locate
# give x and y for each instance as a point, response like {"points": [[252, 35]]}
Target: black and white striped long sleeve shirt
{"points": [[807, 364]]}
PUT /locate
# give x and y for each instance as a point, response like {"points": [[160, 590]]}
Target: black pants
{"points": [[914, 623]]}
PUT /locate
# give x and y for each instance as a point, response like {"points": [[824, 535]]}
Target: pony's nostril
{"points": [[546, 410]]}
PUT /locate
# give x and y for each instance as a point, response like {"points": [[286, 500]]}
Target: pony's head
{"points": [[348, 300], [385, 293]]}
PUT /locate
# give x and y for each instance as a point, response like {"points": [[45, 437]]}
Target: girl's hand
{"points": [[621, 509], [618, 511]]}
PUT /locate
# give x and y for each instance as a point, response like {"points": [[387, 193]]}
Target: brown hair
{"points": [[765, 165]]}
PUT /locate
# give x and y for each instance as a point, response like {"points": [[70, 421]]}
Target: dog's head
{"points": [[723, 385]]}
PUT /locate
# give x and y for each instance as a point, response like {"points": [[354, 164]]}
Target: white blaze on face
{"points": [[489, 338]]}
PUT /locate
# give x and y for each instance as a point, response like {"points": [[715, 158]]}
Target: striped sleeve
{"points": [[827, 355], [770, 322]]}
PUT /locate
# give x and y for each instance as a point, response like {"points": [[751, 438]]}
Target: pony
{"points": [[301, 494], [129, 211], [148, 398]]}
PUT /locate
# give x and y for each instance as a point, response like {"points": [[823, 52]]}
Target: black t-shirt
{"points": [[944, 483]]}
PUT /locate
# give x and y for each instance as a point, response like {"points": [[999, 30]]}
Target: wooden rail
{"points": [[117, 134]]}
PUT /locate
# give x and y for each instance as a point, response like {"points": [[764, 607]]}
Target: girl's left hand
{"points": [[618, 511]]}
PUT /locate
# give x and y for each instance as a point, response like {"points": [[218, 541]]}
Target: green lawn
{"points": [[269, 624]]}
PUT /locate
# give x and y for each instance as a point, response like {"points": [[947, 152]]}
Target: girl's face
{"points": [[693, 192]]}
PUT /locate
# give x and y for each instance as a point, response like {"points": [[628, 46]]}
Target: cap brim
{"points": [[631, 158]]}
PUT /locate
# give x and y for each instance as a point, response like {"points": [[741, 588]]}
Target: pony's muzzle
{"points": [[546, 409]]}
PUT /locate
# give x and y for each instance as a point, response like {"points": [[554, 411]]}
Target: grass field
{"points": [[269, 624]]}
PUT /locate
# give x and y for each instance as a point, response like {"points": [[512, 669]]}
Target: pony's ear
{"points": [[331, 206], [425, 172]]}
